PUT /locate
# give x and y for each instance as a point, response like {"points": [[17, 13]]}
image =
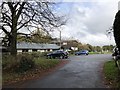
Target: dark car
{"points": [[82, 52], [58, 54]]}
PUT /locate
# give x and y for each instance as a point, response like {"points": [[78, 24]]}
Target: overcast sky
{"points": [[88, 20]]}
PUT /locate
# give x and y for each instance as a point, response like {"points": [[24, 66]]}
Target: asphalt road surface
{"points": [[81, 72]]}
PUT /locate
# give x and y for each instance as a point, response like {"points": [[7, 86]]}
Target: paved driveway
{"points": [[80, 72]]}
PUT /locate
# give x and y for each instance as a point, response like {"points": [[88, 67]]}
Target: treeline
{"points": [[74, 43], [106, 48]]}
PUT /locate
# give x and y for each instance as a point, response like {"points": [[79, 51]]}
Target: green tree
{"points": [[23, 38], [91, 48], [98, 48], [111, 48], [70, 43], [105, 48], [40, 36], [108, 48]]}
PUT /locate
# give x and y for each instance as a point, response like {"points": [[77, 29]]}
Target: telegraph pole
{"points": [[60, 37]]}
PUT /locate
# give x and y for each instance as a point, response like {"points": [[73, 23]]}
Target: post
{"points": [[60, 39]]}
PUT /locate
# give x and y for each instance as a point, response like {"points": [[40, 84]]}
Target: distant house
{"points": [[70, 44], [34, 47], [67, 44]]}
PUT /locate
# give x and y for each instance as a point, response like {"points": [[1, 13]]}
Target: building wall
{"points": [[30, 51], [36, 50], [41, 50], [46, 50], [19, 51], [74, 48]]}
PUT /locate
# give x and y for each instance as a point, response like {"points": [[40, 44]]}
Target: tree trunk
{"points": [[13, 48], [116, 27]]}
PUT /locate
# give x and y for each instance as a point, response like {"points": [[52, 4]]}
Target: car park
{"points": [[82, 52], [57, 54]]}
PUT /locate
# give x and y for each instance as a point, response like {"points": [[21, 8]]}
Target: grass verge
{"points": [[94, 52], [112, 74], [42, 65]]}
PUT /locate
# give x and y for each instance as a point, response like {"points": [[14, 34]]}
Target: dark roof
{"points": [[25, 45]]}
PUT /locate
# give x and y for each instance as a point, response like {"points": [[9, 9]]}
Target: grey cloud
{"points": [[99, 20], [86, 22]]}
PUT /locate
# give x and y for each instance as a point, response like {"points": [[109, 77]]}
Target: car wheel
{"points": [[86, 53], [53, 57], [48, 57], [66, 57], [61, 57]]}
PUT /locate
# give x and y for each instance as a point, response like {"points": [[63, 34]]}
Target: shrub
{"points": [[39, 54], [8, 63], [44, 54], [112, 74], [35, 54], [43, 63], [20, 64], [25, 62]]}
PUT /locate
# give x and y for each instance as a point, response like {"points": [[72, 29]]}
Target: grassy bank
{"points": [[40, 65], [44, 64], [112, 74], [100, 52], [95, 53]]}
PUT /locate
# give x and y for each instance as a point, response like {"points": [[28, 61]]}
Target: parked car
{"points": [[82, 52], [58, 54]]}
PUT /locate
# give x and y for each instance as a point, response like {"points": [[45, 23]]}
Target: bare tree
{"points": [[17, 15]]}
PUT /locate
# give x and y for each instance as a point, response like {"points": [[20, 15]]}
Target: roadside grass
{"points": [[95, 53], [72, 54], [41, 65], [112, 74], [100, 52], [107, 52], [44, 64], [91, 52]]}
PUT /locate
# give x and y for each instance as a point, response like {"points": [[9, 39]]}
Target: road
{"points": [[80, 72]]}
